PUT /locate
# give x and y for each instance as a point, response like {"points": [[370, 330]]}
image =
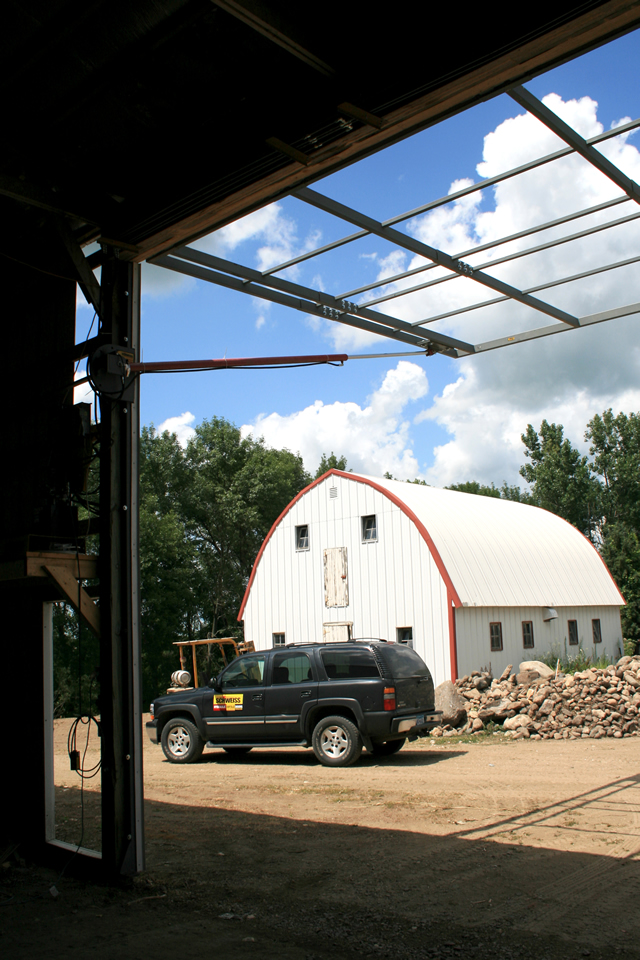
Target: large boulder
{"points": [[452, 704], [527, 677], [541, 668], [513, 723], [496, 711]]}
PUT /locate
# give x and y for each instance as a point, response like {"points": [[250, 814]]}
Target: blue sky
{"points": [[444, 420]]}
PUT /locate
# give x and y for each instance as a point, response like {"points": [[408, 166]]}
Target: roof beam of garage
{"points": [[561, 129], [554, 328], [196, 264], [430, 253]]}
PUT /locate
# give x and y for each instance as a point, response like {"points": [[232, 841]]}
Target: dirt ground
{"points": [[492, 849]]}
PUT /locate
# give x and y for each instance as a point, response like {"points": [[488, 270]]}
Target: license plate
{"points": [[420, 720]]}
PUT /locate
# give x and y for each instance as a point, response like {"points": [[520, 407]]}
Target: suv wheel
{"points": [[181, 741], [337, 742], [388, 747]]}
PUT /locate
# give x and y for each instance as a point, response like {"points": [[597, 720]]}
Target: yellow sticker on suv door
{"points": [[227, 701]]}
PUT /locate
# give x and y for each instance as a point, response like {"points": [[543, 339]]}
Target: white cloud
{"points": [[181, 426], [83, 393], [374, 438], [159, 283], [272, 228]]}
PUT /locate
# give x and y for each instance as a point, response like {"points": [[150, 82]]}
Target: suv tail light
{"points": [[389, 698]]}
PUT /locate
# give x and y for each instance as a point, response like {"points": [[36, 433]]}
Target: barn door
{"points": [[336, 584]]}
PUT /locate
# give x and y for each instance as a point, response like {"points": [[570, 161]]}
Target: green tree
{"points": [[508, 492], [169, 569], [561, 480], [330, 462], [615, 447], [76, 657], [472, 486], [204, 513]]}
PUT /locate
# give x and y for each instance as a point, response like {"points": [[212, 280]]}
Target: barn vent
{"points": [[333, 493]]}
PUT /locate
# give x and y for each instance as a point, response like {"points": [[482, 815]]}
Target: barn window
{"points": [[404, 634], [597, 632], [369, 529], [495, 632], [573, 632], [278, 639], [527, 635], [302, 537]]}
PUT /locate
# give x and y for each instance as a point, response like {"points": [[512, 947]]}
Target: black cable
{"points": [[85, 340], [126, 383]]}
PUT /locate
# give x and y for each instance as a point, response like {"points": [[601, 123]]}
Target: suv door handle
{"points": [[257, 698], [305, 693]]}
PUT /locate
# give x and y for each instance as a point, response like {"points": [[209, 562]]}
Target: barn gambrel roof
{"points": [[492, 552]]}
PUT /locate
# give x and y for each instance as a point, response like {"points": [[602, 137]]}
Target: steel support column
{"points": [[120, 694]]}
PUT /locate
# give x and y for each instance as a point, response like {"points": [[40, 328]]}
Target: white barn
{"points": [[471, 581]]}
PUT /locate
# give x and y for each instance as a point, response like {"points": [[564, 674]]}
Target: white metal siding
{"points": [[393, 581], [474, 647]]}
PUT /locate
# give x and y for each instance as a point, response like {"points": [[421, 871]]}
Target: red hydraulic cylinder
{"points": [[174, 366]]}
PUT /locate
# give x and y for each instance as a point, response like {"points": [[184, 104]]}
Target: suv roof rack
{"points": [[331, 643]]}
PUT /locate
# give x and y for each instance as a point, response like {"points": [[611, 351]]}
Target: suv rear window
{"points": [[402, 661], [349, 664]]}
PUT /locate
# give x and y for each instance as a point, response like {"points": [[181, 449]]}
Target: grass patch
{"points": [[574, 662]]}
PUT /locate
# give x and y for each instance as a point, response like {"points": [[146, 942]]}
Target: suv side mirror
{"points": [[215, 683]]}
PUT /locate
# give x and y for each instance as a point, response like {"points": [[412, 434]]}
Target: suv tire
{"points": [[181, 741], [388, 747], [336, 742]]}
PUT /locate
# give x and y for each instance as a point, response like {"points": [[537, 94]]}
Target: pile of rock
{"points": [[538, 704]]}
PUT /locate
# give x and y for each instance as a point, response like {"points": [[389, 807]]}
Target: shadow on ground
{"points": [[276, 758], [229, 883]]}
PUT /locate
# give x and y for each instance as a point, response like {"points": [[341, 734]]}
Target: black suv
{"points": [[334, 697]]}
